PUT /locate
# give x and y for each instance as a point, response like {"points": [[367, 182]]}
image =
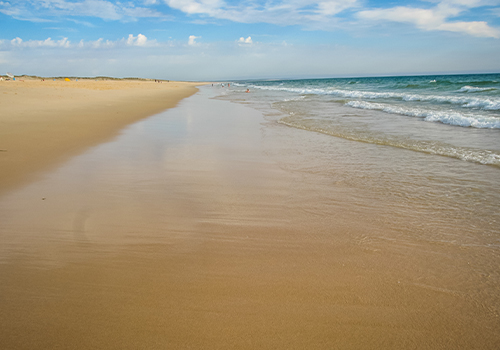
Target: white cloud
{"points": [[208, 7], [297, 12], [334, 7], [423, 18], [44, 10], [228, 60], [481, 29], [139, 40], [436, 18], [192, 40], [18, 42], [245, 41], [98, 44]]}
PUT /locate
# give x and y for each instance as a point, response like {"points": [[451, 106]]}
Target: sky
{"points": [[202, 40]]}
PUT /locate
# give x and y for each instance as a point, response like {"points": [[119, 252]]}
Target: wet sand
{"points": [[196, 228], [43, 123]]}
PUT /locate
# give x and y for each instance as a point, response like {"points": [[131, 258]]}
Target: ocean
{"points": [[454, 116], [419, 153]]}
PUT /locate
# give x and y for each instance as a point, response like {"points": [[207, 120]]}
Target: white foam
{"points": [[475, 89], [489, 103], [445, 117]]}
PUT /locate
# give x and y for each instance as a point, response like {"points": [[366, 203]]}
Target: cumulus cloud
{"points": [[436, 18], [245, 41], [18, 42], [222, 61], [192, 40], [98, 44], [139, 40]]}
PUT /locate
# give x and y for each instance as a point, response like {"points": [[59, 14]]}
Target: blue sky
{"points": [[217, 39]]}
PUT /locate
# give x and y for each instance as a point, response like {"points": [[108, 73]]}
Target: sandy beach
{"points": [[207, 226], [45, 122]]}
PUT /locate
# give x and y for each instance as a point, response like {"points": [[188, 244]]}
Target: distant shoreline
{"points": [[62, 77]]}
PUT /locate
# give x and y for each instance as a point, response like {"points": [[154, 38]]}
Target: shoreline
{"points": [[44, 123], [210, 226]]}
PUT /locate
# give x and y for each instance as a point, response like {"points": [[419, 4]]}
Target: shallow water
{"points": [[436, 216], [434, 175]]}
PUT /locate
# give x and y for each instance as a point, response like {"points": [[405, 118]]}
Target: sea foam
{"points": [[445, 117], [486, 103], [475, 89]]}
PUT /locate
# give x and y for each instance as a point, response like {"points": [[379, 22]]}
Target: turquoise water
{"points": [[455, 116]]}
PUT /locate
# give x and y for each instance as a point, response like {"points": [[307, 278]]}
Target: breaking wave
{"points": [[486, 103], [445, 117], [475, 89]]}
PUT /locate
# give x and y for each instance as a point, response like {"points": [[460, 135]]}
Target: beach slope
{"points": [[43, 123], [209, 227]]}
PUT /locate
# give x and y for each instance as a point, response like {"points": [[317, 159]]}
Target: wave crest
{"points": [[475, 89], [451, 118], [489, 103]]}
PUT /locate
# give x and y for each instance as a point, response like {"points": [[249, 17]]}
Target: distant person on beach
{"points": [[248, 90]]}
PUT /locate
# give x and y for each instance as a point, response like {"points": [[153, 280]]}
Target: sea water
{"points": [[454, 116], [421, 154], [411, 165]]}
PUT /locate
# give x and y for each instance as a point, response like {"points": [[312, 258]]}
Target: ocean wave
{"points": [[451, 118], [486, 157], [475, 89], [466, 102], [489, 103]]}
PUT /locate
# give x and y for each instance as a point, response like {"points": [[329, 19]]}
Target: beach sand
{"points": [[196, 228], [42, 123]]}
